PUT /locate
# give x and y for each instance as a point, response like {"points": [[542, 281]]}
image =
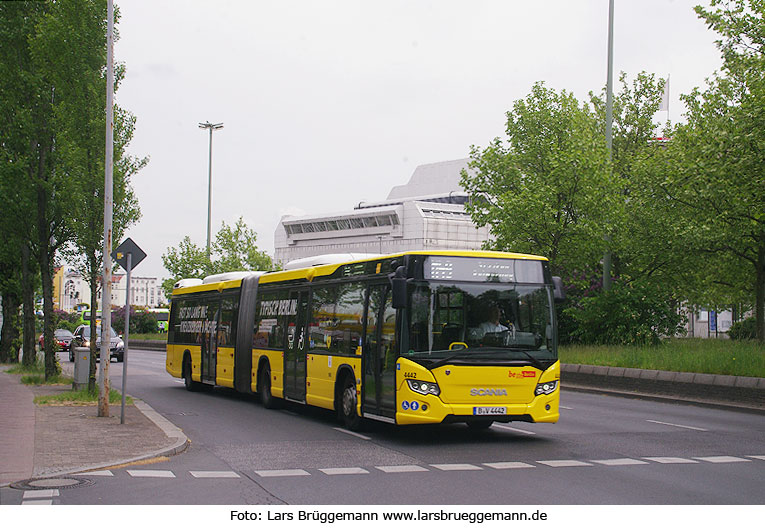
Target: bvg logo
{"points": [[524, 373]]}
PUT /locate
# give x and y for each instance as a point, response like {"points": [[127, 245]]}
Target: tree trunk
{"points": [[10, 333], [45, 259], [28, 301]]}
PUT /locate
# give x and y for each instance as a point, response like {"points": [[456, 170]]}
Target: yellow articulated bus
{"points": [[411, 338]]}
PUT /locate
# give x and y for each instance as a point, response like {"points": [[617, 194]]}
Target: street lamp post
{"points": [[212, 127]]}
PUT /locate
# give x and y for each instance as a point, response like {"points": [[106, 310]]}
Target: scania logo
{"points": [[488, 392]]}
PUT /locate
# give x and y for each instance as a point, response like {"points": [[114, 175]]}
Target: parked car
{"points": [[81, 339], [62, 337]]}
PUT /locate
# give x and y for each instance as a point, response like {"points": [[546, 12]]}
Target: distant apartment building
{"points": [[427, 213], [71, 290]]}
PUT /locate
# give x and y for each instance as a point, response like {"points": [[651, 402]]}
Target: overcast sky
{"points": [[325, 104]]}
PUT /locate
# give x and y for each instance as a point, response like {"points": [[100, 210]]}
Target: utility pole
{"points": [[609, 122], [212, 127], [106, 303]]}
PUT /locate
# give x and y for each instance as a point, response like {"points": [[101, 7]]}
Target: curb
{"points": [[179, 444], [745, 393]]}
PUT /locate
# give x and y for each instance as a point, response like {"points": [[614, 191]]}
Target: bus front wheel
{"points": [[347, 404], [264, 387], [188, 382]]}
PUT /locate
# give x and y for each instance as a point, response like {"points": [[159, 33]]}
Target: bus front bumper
{"points": [[416, 409]]}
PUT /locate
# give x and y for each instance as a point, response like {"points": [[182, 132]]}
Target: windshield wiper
{"points": [[536, 363]]}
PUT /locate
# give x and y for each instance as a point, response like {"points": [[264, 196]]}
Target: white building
{"points": [[427, 213], [71, 289]]}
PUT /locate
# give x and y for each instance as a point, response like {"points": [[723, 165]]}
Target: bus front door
{"points": [[380, 354], [296, 348], [210, 342]]}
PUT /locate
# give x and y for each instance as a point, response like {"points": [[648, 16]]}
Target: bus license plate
{"points": [[489, 411]]}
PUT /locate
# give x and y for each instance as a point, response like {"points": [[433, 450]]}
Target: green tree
{"points": [[547, 188], [234, 249], [81, 122], [715, 175]]}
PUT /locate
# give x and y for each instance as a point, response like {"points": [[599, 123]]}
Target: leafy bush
{"points": [[743, 329], [636, 313], [141, 321]]}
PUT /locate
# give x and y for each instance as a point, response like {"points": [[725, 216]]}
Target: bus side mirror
{"points": [[559, 293], [398, 287]]}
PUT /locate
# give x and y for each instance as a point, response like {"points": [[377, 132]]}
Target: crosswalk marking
{"points": [[721, 459], [151, 473], [214, 474], [456, 467], [38, 497], [620, 462], [282, 473], [564, 463], [509, 465], [344, 471], [400, 469], [671, 460], [40, 494], [103, 473]]}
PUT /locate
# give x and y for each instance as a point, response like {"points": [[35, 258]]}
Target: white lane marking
{"points": [[671, 460], [357, 435], [282, 473], [400, 469], [508, 465], [344, 471], [564, 463], [103, 473], [620, 462], [677, 425], [565, 408], [506, 428], [456, 467], [758, 457], [151, 473], [721, 459], [179, 381], [214, 474], [38, 502], [40, 494]]}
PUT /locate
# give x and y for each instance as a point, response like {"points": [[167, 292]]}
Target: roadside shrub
{"points": [[743, 329], [141, 321], [637, 313]]}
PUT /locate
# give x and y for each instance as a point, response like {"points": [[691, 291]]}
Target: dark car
{"points": [[81, 339], [62, 337]]}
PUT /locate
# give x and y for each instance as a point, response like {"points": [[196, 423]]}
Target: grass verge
{"points": [[80, 397], [707, 356], [39, 379]]}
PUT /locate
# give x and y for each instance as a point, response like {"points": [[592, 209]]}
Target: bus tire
{"points": [[479, 425], [188, 382], [267, 399], [347, 403]]}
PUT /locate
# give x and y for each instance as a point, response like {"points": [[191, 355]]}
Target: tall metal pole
{"points": [[106, 300], [127, 336], [609, 122], [212, 127]]}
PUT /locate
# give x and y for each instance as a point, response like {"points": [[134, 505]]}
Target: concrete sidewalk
{"points": [[42, 441]]}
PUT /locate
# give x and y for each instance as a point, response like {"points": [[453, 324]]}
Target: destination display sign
{"points": [[483, 270]]}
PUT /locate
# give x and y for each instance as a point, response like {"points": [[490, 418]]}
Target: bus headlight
{"points": [[423, 387], [546, 388]]}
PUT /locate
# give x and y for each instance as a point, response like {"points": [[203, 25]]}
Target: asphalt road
{"points": [[605, 450]]}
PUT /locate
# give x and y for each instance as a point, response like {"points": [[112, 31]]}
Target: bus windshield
{"points": [[480, 323]]}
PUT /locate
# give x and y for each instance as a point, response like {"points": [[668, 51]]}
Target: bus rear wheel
{"points": [[347, 404]]}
